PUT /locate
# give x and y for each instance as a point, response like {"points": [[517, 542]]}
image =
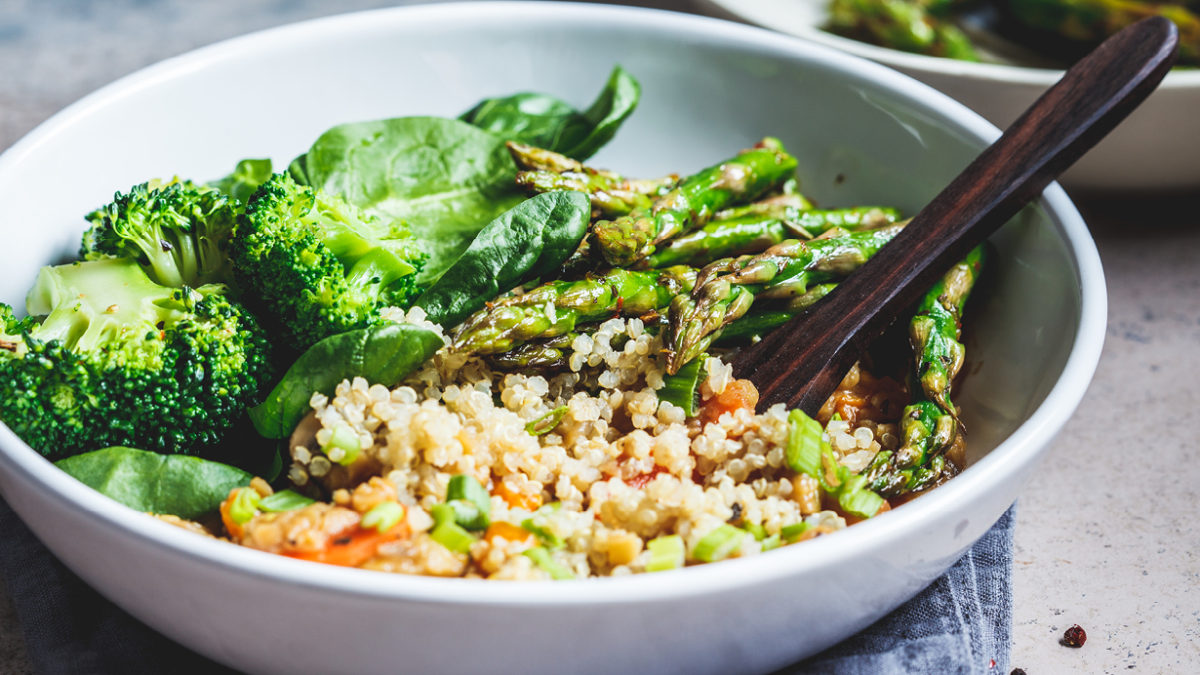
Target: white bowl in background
{"points": [[863, 133], [1156, 149]]}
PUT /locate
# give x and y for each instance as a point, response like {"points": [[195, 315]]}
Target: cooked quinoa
{"points": [[620, 468]]}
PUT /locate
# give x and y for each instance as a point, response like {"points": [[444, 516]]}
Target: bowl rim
{"points": [[1003, 463], [765, 13]]}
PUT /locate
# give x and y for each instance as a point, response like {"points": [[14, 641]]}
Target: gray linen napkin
{"points": [[959, 624]]}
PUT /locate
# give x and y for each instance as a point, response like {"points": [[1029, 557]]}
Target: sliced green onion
{"points": [[442, 513], [546, 423], [452, 536], [808, 452], [771, 542], [718, 544], [343, 446], [805, 444], [468, 515], [541, 557], [791, 533], [856, 499], [536, 524], [757, 530], [284, 500], [465, 487], [383, 516], [666, 553], [244, 506], [683, 388]]}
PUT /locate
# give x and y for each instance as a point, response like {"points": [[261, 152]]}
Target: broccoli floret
{"points": [[314, 265], [109, 357], [177, 231]]}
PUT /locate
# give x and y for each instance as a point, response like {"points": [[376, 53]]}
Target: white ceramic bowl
{"points": [[863, 133], [1157, 149]]}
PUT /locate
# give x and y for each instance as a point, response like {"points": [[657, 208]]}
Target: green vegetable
{"points": [[546, 423], [787, 271], [176, 230], [683, 388], [761, 322], [809, 453], [908, 25], [468, 515], [929, 424], [805, 444], [245, 179], [791, 533], [188, 487], [445, 178], [936, 327], [524, 243], [1087, 22], [542, 558], [315, 266], [545, 121], [284, 500], [611, 194], [442, 513], [666, 553], [514, 320], [244, 506], [719, 544], [467, 488], [771, 542], [469, 501], [343, 445], [855, 497], [756, 227], [383, 516], [693, 202], [719, 239], [452, 536], [756, 530], [536, 524], [120, 360], [385, 353]]}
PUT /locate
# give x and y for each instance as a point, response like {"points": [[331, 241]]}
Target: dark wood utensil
{"points": [[801, 363]]}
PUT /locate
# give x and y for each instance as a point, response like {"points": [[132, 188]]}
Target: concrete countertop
{"points": [[1106, 533]]}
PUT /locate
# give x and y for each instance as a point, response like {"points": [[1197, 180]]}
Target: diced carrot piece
{"points": [[517, 499], [354, 547], [737, 394], [506, 531]]}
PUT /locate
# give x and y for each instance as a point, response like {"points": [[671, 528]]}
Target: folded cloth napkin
{"points": [[959, 624]]}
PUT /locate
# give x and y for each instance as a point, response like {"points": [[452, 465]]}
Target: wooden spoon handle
{"points": [[801, 363]]}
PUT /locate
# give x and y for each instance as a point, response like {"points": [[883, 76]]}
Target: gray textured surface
{"points": [[1106, 535]]}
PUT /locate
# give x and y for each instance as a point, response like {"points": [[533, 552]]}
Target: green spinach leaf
{"points": [[547, 122], [245, 179], [525, 242], [188, 487], [384, 353], [445, 178]]}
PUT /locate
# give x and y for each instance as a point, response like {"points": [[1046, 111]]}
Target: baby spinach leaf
{"points": [[445, 178], [245, 179], [384, 354], [523, 243], [188, 487], [547, 122]]}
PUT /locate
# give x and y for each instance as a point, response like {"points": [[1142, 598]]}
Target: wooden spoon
{"points": [[801, 363]]}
